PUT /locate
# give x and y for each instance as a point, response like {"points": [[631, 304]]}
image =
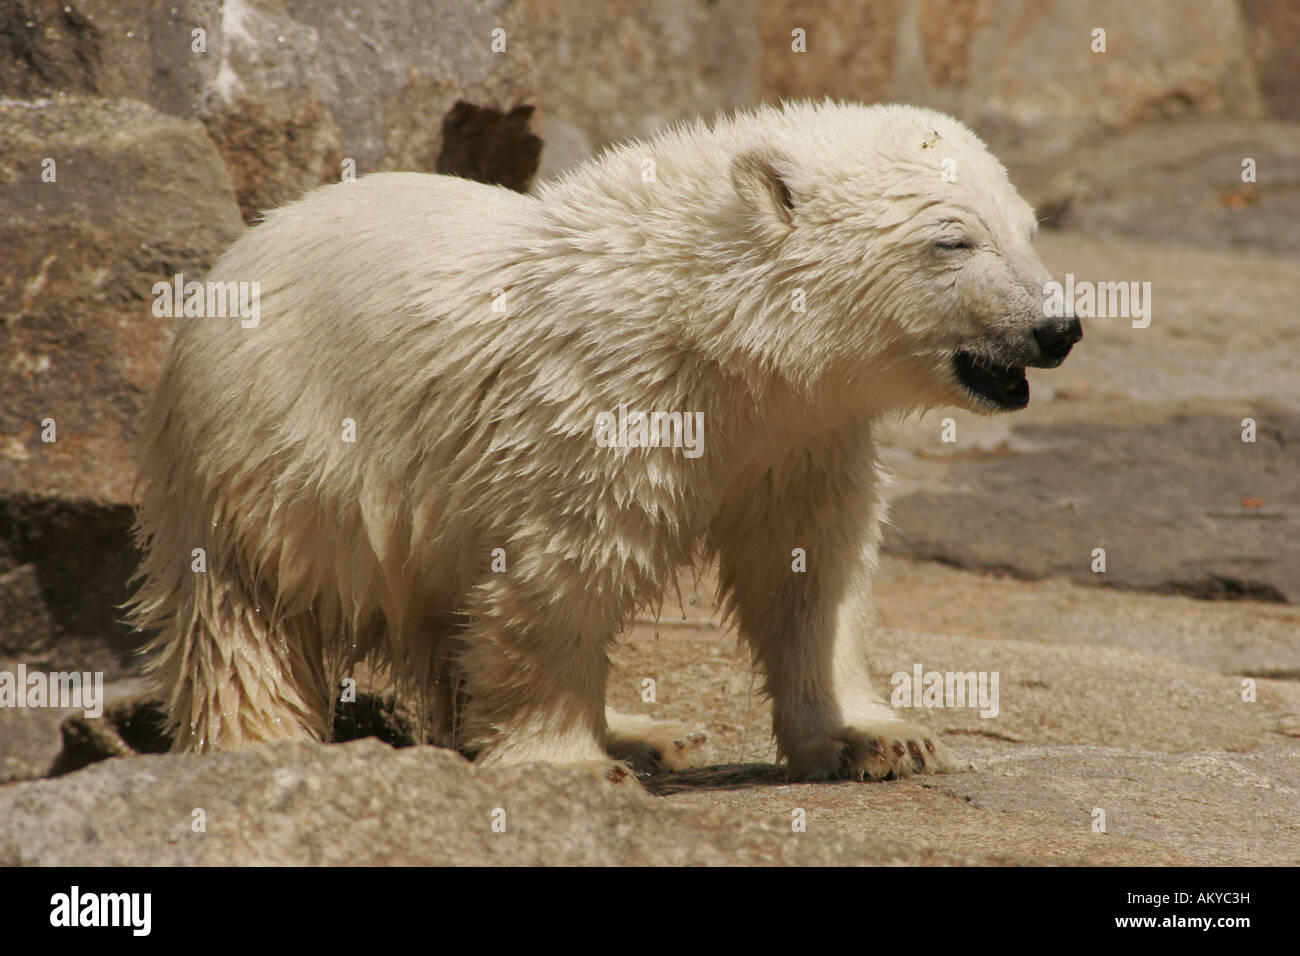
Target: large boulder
{"points": [[134, 197], [305, 86], [291, 89]]}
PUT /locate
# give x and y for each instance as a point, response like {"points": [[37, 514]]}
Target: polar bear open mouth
{"points": [[1004, 385]]}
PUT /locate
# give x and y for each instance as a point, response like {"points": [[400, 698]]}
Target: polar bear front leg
{"points": [[798, 549], [872, 741]]}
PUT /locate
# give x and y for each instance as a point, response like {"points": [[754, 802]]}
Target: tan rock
{"points": [[289, 91], [1273, 35], [848, 49], [1020, 73], [137, 196], [617, 70]]}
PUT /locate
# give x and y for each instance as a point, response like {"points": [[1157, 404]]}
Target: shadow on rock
{"points": [[137, 725], [741, 776]]}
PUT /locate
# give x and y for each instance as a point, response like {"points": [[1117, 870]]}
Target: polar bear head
{"points": [[914, 249]]}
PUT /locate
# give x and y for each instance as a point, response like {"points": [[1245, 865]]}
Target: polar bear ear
{"points": [[756, 176]]}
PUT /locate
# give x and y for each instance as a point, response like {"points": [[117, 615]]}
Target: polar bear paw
{"points": [[885, 751], [652, 747]]}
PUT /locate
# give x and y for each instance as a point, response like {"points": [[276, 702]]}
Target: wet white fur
{"points": [[475, 429]]}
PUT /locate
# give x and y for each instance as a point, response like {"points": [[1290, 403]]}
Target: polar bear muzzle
{"points": [[1005, 384]]}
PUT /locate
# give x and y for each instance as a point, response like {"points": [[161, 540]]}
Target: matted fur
{"points": [[475, 430]]}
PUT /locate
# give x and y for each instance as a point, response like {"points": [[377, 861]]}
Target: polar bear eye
{"points": [[953, 244]]}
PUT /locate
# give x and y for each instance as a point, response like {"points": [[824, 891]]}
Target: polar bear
{"points": [[408, 456]]}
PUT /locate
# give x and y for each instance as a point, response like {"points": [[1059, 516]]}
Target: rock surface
{"points": [[290, 89], [1227, 637], [1273, 34], [135, 196], [305, 85], [1184, 770], [100, 199], [1184, 506], [365, 804], [622, 69], [1216, 183], [1021, 73], [32, 740]]}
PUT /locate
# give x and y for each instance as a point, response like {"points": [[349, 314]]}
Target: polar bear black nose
{"points": [[1057, 337]]}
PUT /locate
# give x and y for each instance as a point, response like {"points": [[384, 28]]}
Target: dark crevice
{"points": [[489, 146]]}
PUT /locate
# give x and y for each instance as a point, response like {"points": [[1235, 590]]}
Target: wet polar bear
{"points": [[400, 461]]}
